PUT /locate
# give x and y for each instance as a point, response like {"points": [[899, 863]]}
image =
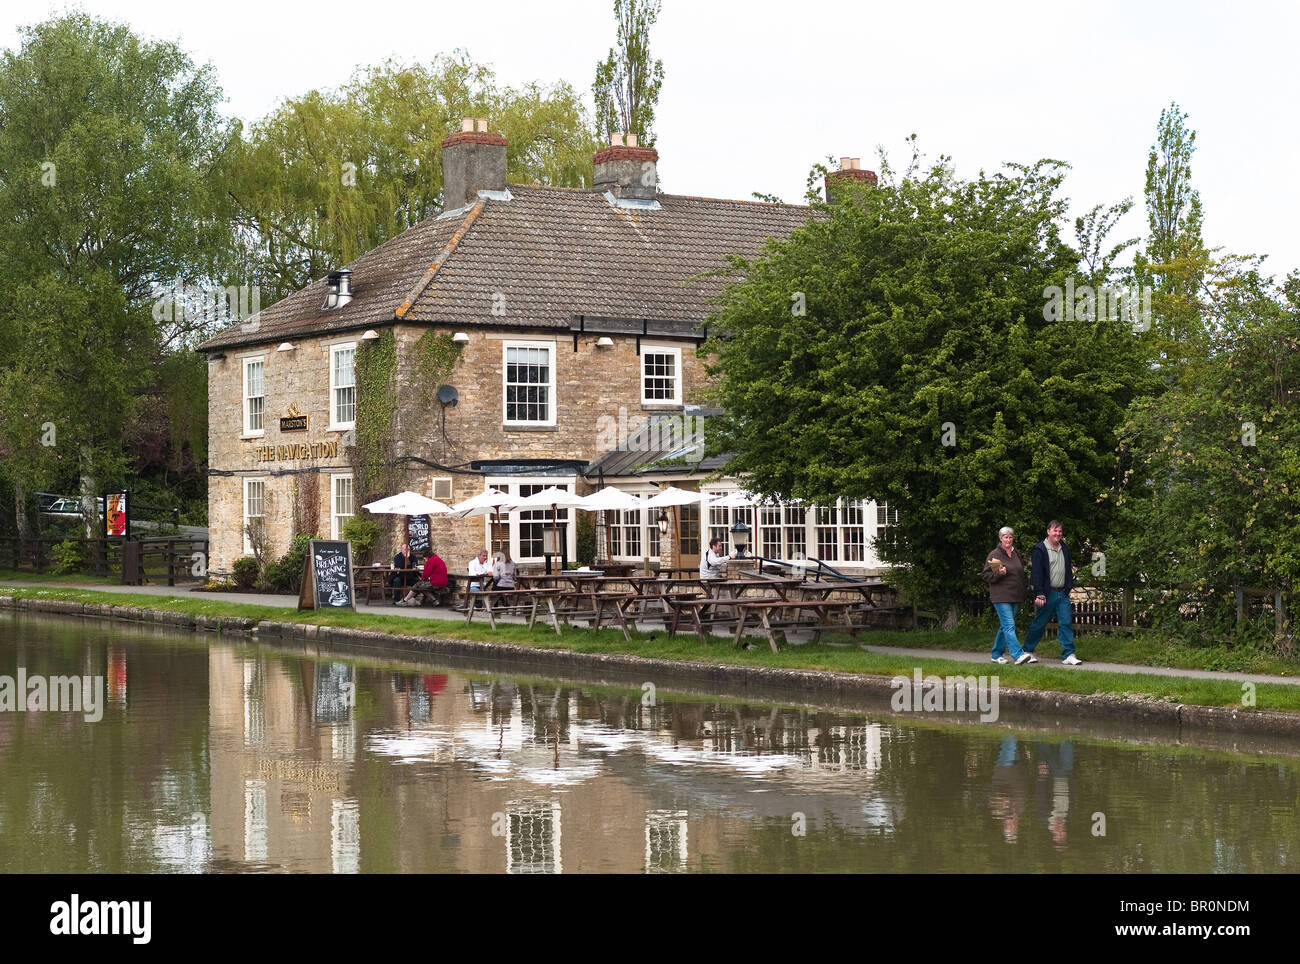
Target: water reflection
{"points": [[215, 756]]}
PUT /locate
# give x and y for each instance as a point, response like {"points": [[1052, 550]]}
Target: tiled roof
{"points": [[551, 252]]}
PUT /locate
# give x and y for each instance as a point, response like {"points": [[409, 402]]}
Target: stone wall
{"points": [[596, 390]]}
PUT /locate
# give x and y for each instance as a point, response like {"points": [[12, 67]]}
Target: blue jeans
{"points": [[1058, 605], [1006, 636]]}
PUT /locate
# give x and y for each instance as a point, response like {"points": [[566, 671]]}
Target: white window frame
{"points": [[509, 484], [336, 527], [616, 519], [248, 546], [337, 426], [674, 351], [248, 431], [552, 401]]}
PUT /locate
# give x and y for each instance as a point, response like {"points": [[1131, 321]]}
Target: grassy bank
{"points": [[687, 648]]}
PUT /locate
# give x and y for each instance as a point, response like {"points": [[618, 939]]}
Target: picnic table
{"points": [[381, 577], [774, 615]]}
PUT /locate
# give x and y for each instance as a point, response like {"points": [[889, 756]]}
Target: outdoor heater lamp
{"points": [[663, 522], [740, 538]]}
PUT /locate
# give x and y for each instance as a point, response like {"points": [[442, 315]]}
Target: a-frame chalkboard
{"points": [[327, 576]]}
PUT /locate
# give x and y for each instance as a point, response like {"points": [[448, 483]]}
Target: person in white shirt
{"points": [[713, 564], [479, 566]]}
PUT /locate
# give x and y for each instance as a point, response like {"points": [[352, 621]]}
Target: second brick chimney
{"points": [[473, 160], [626, 170], [850, 170]]}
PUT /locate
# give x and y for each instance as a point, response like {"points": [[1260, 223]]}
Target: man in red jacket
{"points": [[432, 576]]}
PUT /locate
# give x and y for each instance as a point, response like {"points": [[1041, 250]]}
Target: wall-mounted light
{"points": [[460, 338], [663, 522], [369, 335], [285, 346], [605, 342]]}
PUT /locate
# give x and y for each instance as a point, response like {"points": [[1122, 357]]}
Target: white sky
{"points": [[757, 91]]}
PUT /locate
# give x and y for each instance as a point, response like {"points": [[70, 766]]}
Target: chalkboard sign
{"points": [[327, 576], [419, 529]]}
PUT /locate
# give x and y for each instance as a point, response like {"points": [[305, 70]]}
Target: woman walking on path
{"points": [[1004, 571]]}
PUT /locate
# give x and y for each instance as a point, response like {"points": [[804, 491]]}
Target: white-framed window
{"points": [[254, 396], [885, 519], [341, 504], [625, 537], [661, 375], [254, 509], [528, 383], [522, 531], [343, 386]]}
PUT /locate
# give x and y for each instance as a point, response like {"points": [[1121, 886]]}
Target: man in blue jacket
{"points": [[1052, 577]]}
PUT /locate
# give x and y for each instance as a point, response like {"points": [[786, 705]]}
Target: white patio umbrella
{"points": [[671, 496], [738, 499], [611, 498], [553, 497], [407, 503], [492, 502]]}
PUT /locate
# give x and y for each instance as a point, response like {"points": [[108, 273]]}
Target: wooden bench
{"points": [[764, 611]]}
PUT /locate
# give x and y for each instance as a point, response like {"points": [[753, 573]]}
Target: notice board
{"points": [[418, 526]]}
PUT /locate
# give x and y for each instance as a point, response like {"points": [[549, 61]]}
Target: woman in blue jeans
{"points": [[1004, 571]]}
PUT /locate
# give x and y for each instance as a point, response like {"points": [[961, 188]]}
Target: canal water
{"points": [[220, 755]]}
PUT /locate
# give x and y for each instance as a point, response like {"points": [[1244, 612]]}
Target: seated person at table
{"points": [[433, 576], [713, 564], [479, 566], [504, 572], [403, 560]]}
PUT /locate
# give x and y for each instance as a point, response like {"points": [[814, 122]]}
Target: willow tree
{"points": [[331, 174], [109, 142]]}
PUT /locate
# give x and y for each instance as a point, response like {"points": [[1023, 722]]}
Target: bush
{"points": [[586, 538], [364, 534], [67, 558], [285, 574], [245, 570]]}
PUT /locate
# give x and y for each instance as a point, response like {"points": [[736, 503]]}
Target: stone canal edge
{"points": [[764, 682]]}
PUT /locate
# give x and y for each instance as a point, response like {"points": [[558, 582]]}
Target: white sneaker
{"points": [[1001, 659], [1072, 660], [1025, 658]]}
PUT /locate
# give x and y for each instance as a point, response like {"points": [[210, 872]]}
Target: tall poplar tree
{"points": [[627, 82]]}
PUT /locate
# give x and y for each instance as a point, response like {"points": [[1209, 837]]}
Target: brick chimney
{"points": [[626, 170], [473, 160], [850, 170]]}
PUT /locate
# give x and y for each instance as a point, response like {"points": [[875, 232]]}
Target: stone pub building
{"points": [[526, 337]]}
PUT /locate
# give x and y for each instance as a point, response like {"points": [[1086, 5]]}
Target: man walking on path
{"points": [[1053, 578]]}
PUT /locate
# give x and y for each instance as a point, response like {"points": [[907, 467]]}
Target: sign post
{"points": [[327, 576]]}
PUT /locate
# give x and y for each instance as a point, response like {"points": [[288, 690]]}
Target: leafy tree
{"points": [[332, 174], [1209, 494], [627, 82], [896, 348], [109, 143]]}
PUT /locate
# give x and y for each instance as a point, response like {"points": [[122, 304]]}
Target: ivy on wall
{"points": [[378, 426], [371, 454]]}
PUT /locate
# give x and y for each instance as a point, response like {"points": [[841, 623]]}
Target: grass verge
{"points": [[823, 657]]}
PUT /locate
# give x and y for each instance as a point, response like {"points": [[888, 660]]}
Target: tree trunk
{"points": [[89, 511], [24, 521], [950, 621]]}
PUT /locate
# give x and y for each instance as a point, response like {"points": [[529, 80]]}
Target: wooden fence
{"points": [[156, 560]]}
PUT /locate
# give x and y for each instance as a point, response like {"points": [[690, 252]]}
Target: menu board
{"points": [[419, 529], [327, 576]]}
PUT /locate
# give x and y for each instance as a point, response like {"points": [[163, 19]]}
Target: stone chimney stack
{"points": [[626, 170], [473, 160], [850, 170]]}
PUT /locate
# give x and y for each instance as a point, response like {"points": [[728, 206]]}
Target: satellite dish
{"points": [[448, 395]]}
